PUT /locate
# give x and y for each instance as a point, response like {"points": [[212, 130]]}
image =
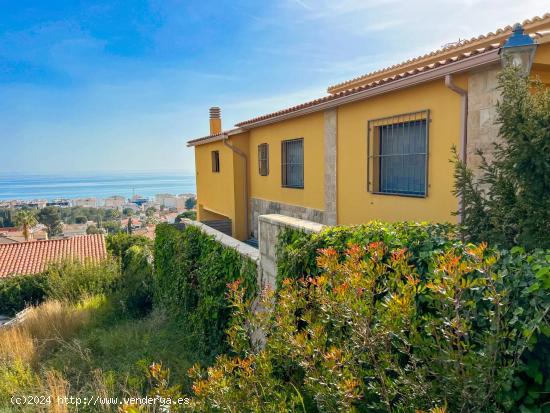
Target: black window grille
{"points": [[292, 154], [398, 154], [215, 161], [263, 159]]}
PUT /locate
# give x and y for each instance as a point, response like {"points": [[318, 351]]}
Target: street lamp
{"points": [[518, 50]]}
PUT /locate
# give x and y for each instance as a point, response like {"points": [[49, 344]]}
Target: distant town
{"points": [[41, 219]]}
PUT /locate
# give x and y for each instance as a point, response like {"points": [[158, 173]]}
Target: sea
{"points": [[146, 184]]}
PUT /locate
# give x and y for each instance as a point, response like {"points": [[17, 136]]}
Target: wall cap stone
{"points": [[230, 242], [286, 221]]}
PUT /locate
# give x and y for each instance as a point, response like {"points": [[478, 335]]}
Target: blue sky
{"points": [[120, 85]]}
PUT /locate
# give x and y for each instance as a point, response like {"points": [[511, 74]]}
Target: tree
{"points": [[190, 203], [25, 220], [186, 214], [112, 214], [128, 212], [150, 211], [112, 227], [92, 229], [50, 217], [80, 220], [129, 228], [6, 217], [510, 203]]}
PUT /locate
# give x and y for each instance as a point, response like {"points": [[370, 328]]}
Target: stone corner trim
{"points": [[244, 249], [290, 222], [269, 228], [331, 147]]}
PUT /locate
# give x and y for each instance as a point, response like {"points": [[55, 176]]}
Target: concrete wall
{"points": [[265, 257], [259, 207], [269, 228], [244, 249]]}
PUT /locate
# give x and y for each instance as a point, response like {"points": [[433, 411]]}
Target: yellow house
{"points": [[377, 147]]}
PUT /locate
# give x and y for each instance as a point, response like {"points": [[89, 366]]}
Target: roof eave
{"points": [[215, 138], [474, 62], [531, 26]]}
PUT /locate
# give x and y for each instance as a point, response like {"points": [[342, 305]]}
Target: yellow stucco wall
{"points": [[355, 204], [240, 218], [220, 195], [223, 193], [541, 64], [215, 191], [309, 127]]}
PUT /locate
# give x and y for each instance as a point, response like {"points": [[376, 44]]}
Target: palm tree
{"points": [[25, 220]]}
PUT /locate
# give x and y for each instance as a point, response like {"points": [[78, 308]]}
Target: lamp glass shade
{"points": [[520, 56]]}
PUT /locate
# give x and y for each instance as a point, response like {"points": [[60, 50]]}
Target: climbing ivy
{"points": [[192, 271]]}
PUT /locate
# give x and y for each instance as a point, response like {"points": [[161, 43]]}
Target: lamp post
{"points": [[518, 50]]}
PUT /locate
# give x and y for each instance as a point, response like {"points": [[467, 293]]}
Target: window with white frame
{"points": [[292, 163], [398, 154]]}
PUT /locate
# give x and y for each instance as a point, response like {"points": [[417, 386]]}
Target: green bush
{"points": [[134, 290], [18, 292], [509, 203], [187, 215], [388, 323], [526, 276], [72, 280], [528, 280], [192, 271], [118, 244], [297, 251]]}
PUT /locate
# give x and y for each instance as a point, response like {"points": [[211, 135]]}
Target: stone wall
{"points": [[259, 207], [269, 228], [483, 96], [331, 117]]}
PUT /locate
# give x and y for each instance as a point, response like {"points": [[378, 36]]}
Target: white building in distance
{"points": [[115, 201], [84, 202]]}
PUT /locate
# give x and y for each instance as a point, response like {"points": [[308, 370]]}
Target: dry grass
{"points": [[43, 327], [16, 344], [58, 388]]}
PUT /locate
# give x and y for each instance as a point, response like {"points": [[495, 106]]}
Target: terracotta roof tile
{"points": [[351, 91], [464, 50], [496, 35], [32, 257]]}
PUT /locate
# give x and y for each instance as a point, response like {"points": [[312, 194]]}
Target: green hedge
{"points": [[297, 251], [18, 292], [192, 271], [65, 280], [527, 277]]}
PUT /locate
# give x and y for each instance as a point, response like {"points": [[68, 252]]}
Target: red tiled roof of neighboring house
{"points": [[9, 229], [26, 258], [148, 231]]}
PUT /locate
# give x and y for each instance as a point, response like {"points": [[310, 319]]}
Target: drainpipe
{"points": [[245, 159], [463, 130]]}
